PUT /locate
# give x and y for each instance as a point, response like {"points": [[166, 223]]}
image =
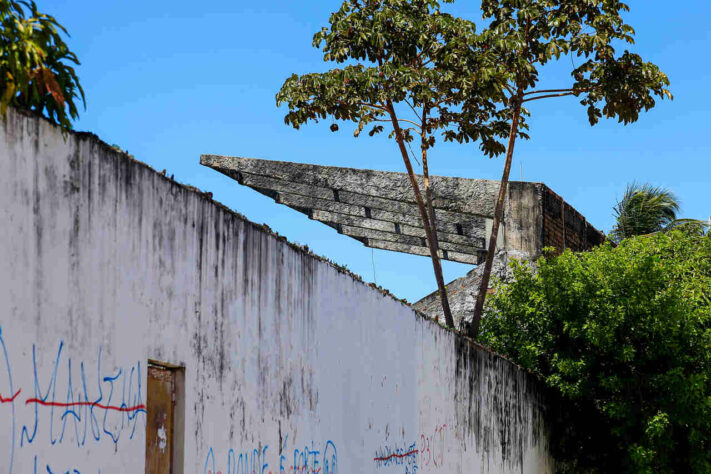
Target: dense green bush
{"points": [[623, 337], [36, 70]]}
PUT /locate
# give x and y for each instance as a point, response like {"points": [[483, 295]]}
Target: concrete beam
{"points": [[397, 228]]}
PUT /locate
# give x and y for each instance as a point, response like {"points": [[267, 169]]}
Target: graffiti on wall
{"points": [[427, 452], [312, 458], [69, 401], [431, 448], [406, 457]]}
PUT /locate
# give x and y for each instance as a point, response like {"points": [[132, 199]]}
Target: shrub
{"points": [[623, 337]]}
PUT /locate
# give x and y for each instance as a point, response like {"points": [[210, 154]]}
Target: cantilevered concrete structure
{"points": [[378, 208]]}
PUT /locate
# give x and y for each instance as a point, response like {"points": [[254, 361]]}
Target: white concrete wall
{"points": [[290, 365]]}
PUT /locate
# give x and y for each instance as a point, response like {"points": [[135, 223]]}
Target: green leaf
{"points": [[35, 69]]}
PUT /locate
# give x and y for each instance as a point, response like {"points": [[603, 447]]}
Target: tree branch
{"points": [[439, 102], [413, 109], [365, 104], [414, 157], [427, 62], [510, 89], [417, 126], [546, 91], [550, 95]]}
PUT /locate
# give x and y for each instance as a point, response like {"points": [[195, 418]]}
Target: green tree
{"points": [[525, 35], [414, 69], [623, 336], [645, 209], [36, 70]]}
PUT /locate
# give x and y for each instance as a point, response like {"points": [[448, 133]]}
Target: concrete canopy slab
{"points": [[377, 208]]}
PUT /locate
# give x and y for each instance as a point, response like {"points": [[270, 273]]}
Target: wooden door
{"points": [[160, 420]]}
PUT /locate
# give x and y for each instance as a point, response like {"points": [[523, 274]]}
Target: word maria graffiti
{"points": [[428, 452], [65, 402], [311, 459]]}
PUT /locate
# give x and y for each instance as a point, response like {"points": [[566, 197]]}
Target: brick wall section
{"points": [[564, 227]]}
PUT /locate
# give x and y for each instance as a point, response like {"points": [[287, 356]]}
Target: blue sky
{"points": [[170, 80]]}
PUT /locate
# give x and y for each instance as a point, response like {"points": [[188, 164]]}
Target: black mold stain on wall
{"points": [[497, 403]]}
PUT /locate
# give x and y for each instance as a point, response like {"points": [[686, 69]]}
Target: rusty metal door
{"points": [[159, 420]]}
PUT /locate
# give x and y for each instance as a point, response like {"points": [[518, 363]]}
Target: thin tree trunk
{"points": [[433, 216], [473, 330], [428, 197], [426, 221], [448, 318], [426, 180]]}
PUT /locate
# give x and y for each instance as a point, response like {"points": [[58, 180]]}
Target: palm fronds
{"points": [[644, 209]]}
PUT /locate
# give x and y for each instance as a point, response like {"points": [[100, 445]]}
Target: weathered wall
{"points": [[290, 364], [564, 227]]}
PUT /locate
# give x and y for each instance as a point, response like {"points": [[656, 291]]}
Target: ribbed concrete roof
{"points": [[377, 208]]}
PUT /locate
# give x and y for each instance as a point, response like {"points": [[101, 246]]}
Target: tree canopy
{"points": [[525, 35], [405, 53], [36, 71], [623, 336], [419, 72]]}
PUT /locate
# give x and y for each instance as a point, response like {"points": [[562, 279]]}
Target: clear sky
{"points": [[170, 80]]}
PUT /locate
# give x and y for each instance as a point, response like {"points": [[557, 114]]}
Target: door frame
{"points": [[177, 460]]}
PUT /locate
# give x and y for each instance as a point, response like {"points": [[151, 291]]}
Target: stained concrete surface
{"points": [[290, 363]]}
